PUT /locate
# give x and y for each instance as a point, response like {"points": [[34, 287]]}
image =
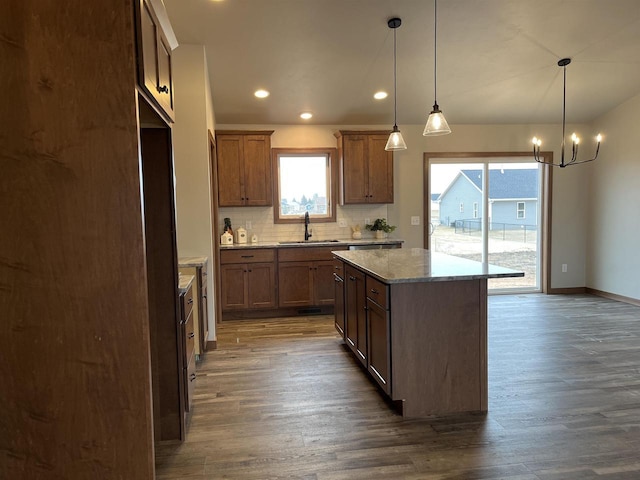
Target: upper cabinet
{"points": [[155, 42], [244, 168], [366, 167]]}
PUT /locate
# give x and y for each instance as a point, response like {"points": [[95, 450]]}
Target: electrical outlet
{"points": [[367, 221], [415, 220], [342, 222], [564, 268], [248, 225]]}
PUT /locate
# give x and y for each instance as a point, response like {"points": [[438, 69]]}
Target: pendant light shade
{"points": [[395, 142], [436, 123]]}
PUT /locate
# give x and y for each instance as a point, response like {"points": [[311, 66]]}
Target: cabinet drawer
{"points": [[189, 383], [187, 302], [189, 335], [338, 267], [253, 255], [304, 254], [378, 292]]}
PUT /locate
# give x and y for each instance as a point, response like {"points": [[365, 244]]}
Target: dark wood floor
{"points": [[284, 399]]}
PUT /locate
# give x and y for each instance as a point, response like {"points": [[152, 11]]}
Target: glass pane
{"points": [[456, 209], [304, 186], [514, 203]]}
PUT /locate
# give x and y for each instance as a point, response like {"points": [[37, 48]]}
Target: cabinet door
{"points": [[356, 328], [203, 312], [165, 76], [324, 288], [234, 286], [380, 170], [257, 170], [354, 168], [295, 282], [230, 170], [339, 304], [378, 344], [262, 280]]}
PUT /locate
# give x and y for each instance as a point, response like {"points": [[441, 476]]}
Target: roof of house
{"points": [[509, 183]]}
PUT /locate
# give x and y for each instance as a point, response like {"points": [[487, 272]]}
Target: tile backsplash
{"points": [[259, 221]]}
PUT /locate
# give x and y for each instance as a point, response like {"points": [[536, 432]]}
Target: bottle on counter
{"points": [[227, 226]]}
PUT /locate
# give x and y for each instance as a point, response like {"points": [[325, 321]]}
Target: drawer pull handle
{"points": [[191, 335], [163, 89], [374, 291], [352, 278], [246, 256], [190, 301], [192, 377]]}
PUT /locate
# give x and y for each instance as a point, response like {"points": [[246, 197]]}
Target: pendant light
{"points": [[395, 142], [436, 123], [574, 138]]}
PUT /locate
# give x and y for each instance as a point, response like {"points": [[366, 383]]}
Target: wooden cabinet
{"points": [[197, 266], [378, 333], [244, 168], [355, 313], [188, 336], [248, 279], [339, 293], [305, 276], [155, 42], [366, 167]]}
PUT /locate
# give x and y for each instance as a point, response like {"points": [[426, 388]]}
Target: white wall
{"points": [[194, 116], [569, 213], [613, 263]]}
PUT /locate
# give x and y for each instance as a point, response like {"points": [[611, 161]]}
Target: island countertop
{"points": [[413, 265]]}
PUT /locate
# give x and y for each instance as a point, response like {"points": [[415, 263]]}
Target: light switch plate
{"points": [[342, 222], [248, 227], [367, 221], [415, 220]]}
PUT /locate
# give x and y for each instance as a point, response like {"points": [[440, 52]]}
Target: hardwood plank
{"points": [[285, 398]]}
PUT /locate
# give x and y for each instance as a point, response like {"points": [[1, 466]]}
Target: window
{"points": [[520, 210], [304, 182], [475, 209], [461, 207]]}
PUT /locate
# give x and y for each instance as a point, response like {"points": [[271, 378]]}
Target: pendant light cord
{"points": [[435, 51], [395, 88]]}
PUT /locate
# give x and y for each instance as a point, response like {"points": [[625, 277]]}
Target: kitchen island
{"points": [[417, 322]]}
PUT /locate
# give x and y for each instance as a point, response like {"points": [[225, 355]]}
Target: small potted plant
{"points": [[380, 227]]}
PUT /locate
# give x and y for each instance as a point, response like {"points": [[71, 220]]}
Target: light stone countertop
{"points": [[192, 261], [184, 282], [313, 243], [414, 265]]}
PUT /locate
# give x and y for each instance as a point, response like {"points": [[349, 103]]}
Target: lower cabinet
{"points": [[339, 293], [355, 313], [248, 279], [188, 335], [378, 345], [198, 268], [305, 276]]}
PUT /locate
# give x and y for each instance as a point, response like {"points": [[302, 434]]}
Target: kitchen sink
{"points": [[301, 242]]}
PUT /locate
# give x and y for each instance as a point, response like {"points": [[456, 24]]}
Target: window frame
{"points": [[461, 207], [523, 210], [332, 180], [476, 210]]}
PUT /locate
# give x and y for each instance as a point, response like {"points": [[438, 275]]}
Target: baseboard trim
{"points": [[567, 291], [613, 296], [212, 345]]}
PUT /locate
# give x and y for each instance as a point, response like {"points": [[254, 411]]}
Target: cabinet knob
{"points": [[163, 89]]}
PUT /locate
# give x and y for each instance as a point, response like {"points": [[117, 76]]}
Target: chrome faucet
{"points": [[307, 230]]}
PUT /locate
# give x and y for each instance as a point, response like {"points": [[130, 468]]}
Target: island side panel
{"points": [[438, 330]]}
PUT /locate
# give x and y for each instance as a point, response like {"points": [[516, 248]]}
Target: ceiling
{"points": [[497, 59]]}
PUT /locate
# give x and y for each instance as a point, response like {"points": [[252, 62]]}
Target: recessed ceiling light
{"points": [[261, 93], [380, 95], [306, 115]]}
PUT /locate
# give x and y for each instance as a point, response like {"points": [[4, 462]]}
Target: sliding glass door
{"points": [[488, 209]]}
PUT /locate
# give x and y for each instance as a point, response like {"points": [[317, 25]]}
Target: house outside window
{"points": [[520, 210], [461, 207], [475, 209]]}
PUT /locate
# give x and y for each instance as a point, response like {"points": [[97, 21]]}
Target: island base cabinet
{"points": [[439, 347], [378, 346], [355, 312]]}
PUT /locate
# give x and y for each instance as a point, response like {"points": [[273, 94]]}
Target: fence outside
{"points": [[501, 231]]}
